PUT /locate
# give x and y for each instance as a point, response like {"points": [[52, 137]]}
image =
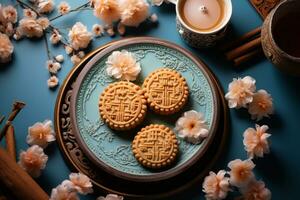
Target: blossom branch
{"points": [[72, 10], [47, 46]]}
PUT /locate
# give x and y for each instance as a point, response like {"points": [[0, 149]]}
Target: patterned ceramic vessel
{"points": [[106, 183], [199, 39], [274, 53], [110, 150]]}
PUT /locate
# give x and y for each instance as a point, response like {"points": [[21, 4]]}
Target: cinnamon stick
{"points": [[243, 39], [17, 181], [17, 107], [239, 51], [248, 56], [11, 142]]}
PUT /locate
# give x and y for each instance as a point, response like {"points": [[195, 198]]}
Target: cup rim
{"points": [[272, 36], [224, 23]]}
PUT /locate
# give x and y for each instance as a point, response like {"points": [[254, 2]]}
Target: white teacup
{"points": [[207, 38]]}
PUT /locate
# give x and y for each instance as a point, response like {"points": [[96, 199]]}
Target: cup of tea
{"points": [[202, 23], [281, 36]]}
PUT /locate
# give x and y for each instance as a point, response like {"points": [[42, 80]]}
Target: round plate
{"points": [[111, 150], [76, 159]]}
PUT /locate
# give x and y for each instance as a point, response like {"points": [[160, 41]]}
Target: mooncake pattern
{"points": [[155, 146], [122, 105], [166, 91]]}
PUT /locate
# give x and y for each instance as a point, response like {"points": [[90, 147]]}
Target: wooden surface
{"points": [[17, 181], [263, 7]]}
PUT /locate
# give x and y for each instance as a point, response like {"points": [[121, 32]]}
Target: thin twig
{"points": [[72, 10], [17, 107], [47, 46]]}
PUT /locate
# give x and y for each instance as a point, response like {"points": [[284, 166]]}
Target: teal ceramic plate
{"points": [[110, 149]]}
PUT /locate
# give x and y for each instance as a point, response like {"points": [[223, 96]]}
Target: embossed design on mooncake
{"points": [[122, 105], [155, 146], [166, 91]]}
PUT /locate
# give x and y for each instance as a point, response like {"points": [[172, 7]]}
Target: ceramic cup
{"points": [[274, 53], [202, 39]]}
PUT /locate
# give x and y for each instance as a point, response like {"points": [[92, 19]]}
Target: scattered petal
{"points": [[64, 192], [241, 172], [41, 134], [122, 65], [256, 141], [261, 106], [33, 160], [216, 186], [107, 10], [192, 127], [110, 32], [79, 36], [240, 92], [59, 58], [81, 182], [111, 197], [64, 8], [6, 48], [134, 12], [52, 82]]}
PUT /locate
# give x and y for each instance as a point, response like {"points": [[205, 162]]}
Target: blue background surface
{"points": [[25, 79]]}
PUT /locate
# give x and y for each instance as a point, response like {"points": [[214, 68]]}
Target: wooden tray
{"points": [[104, 181]]}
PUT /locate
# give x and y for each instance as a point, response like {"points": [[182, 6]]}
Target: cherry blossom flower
{"points": [[55, 37], [30, 28], [64, 8], [9, 29], [81, 54], [154, 18], [9, 14], [121, 29], [68, 50], [6, 48], [241, 172], [45, 6], [33, 160], [98, 30], [107, 10], [64, 191], [240, 92], [75, 59], [134, 12], [256, 190], [52, 82], [53, 67], [17, 35], [123, 65], [192, 127], [44, 22], [79, 36], [59, 58], [41, 134], [261, 106], [216, 186], [29, 13], [256, 141], [111, 197], [81, 182]]}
